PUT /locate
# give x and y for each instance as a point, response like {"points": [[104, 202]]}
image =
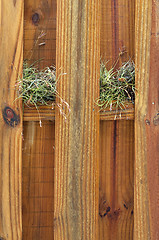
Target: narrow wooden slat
{"points": [[76, 132], [127, 113], [117, 31], [116, 188], [42, 113], [146, 121], [11, 56], [38, 180], [40, 32], [47, 113], [38, 144], [116, 137]]}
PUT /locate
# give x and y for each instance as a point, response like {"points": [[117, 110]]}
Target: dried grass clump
{"points": [[37, 87], [116, 86]]}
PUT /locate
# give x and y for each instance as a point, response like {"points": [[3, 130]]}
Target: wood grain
{"points": [[40, 32], [127, 114], [11, 56], [48, 113], [38, 180], [119, 38], [43, 113], [116, 187], [118, 114], [38, 144], [76, 136], [116, 137], [117, 31], [146, 121]]}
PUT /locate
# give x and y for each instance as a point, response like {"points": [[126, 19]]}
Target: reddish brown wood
{"points": [[117, 30], [40, 32], [38, 180], [116, 188], [11, 57], [43, 113], [147, 121], [152, 130], [48, 113], [38, 144], [116, 173]]}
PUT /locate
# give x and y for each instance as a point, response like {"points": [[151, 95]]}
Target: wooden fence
{"points": [[76, 178]]}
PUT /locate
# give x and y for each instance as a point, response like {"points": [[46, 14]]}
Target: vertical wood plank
{"points": [[76, 136], [40, 32], [38, 144], [117, 30], [116, 138], [38, 180], [116, 188], [146, 118], [11, 56]]}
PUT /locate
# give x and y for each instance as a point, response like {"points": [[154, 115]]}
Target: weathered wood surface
{"points": [[146, 122], [38, 180], [117, 36], [127, 114], [117, 30], [43, 113], [116, 183], [40, 32], [116, 138], [48, 113], [76, 136], [38, 155], [11, 56]]}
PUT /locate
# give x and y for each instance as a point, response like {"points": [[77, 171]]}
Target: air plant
{"points": [[38, 87], [116, 86]]}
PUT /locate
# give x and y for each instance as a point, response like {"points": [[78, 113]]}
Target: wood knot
{"points": [[147, 122], [104, 209], [125, 206], [10, 117], [156, 120], [114, 214], [2, 238], [35, 18]]}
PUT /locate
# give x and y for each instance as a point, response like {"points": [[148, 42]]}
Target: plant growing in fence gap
{"points": [[117, 87], [38, 87]]}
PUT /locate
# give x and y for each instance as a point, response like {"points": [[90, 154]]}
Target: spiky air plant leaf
{"points": [[116, 86], [38, 87]]}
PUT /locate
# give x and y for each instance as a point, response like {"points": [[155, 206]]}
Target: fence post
{"points": [[77, 120], [11, 58], [147, 121]]}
